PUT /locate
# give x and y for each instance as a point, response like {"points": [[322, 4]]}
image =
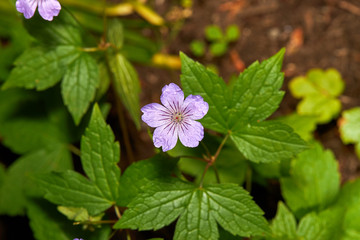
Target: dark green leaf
{"points": [[267, 141], [198, 80], [40, 69], [18, 184], [115, 33], [63, 30], [100, 155], [139, 174], [127, 85], [256, 93], [79, 85], [284, 224], [302, 125]]}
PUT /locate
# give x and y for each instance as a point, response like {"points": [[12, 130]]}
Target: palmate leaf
{"points": [[314, 181], [79, 85], [256, 93], [267, 141], [240, 109], [99, 157], [199, 210], [41, 69], [198, 80]]}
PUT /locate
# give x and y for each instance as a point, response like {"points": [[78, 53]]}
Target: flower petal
{"points": [[26, 7], [166, 137], [49, 8], [191, 133], [195, 107], [172, 97], [155, 115]]}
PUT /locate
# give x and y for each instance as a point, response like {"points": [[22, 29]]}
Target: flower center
{"points": [[177, 117]]}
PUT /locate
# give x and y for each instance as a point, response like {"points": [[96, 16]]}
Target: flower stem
{"points": [[213, 159], [117, 212]]}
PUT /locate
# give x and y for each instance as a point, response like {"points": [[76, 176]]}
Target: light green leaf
{"points": [[71, 189], [127, 85], [284, 223], [62, 30], [46, 223], [197, 47], [232, 33], [314, 181], [100, 155], [79, 85], [321, 106], [41, 69], [302, 125], [228, 204], [329, 81], [218, 48], [115, 33], [213, 33], [301, 87], [18, 184], [140, 173], [350, 126], [267, 142], [312, 227], [198, 80], [256, 93]]}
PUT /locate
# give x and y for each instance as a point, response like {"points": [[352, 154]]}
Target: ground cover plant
{"points": [[95, 147]]}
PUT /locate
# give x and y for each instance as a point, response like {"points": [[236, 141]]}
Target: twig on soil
{"points": [[350, 7]]}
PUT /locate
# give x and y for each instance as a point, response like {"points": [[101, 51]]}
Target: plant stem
{"points": [[197, 158], [216, 174], [213, 159], [117, 212], [96, 222], [74, 150]]}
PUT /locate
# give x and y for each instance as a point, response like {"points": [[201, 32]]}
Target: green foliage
{"points": [[199, 210], [319, 90], [302, 125], [116, 33], [255, 96], [232, 33], [213, 33], [314, 181], [79, 85], [349, 125], [126, 83], [99, 155], [18, 185], [197, 47], [311, 227]]}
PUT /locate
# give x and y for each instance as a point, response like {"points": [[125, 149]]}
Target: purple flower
{"points": [[47, 8], [78, 239], [176, 118]]}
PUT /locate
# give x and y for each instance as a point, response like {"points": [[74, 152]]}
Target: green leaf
{"points": [[115, 33], [79, 85], [100, 155], [46, 223], [232, 33], [127, 85], [256, 93], [267, 142], [198, 80], [71, 189], [314, 181], [321, 106], [18, 184], [99, 158], [197, 48], [213, 33], [62, 30], [319, 90], [350, 126], [141, 173], [218, 48], [302, 125], [199, 208], [312, 227], [41, 69], [78, 214], [284, 223]]}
